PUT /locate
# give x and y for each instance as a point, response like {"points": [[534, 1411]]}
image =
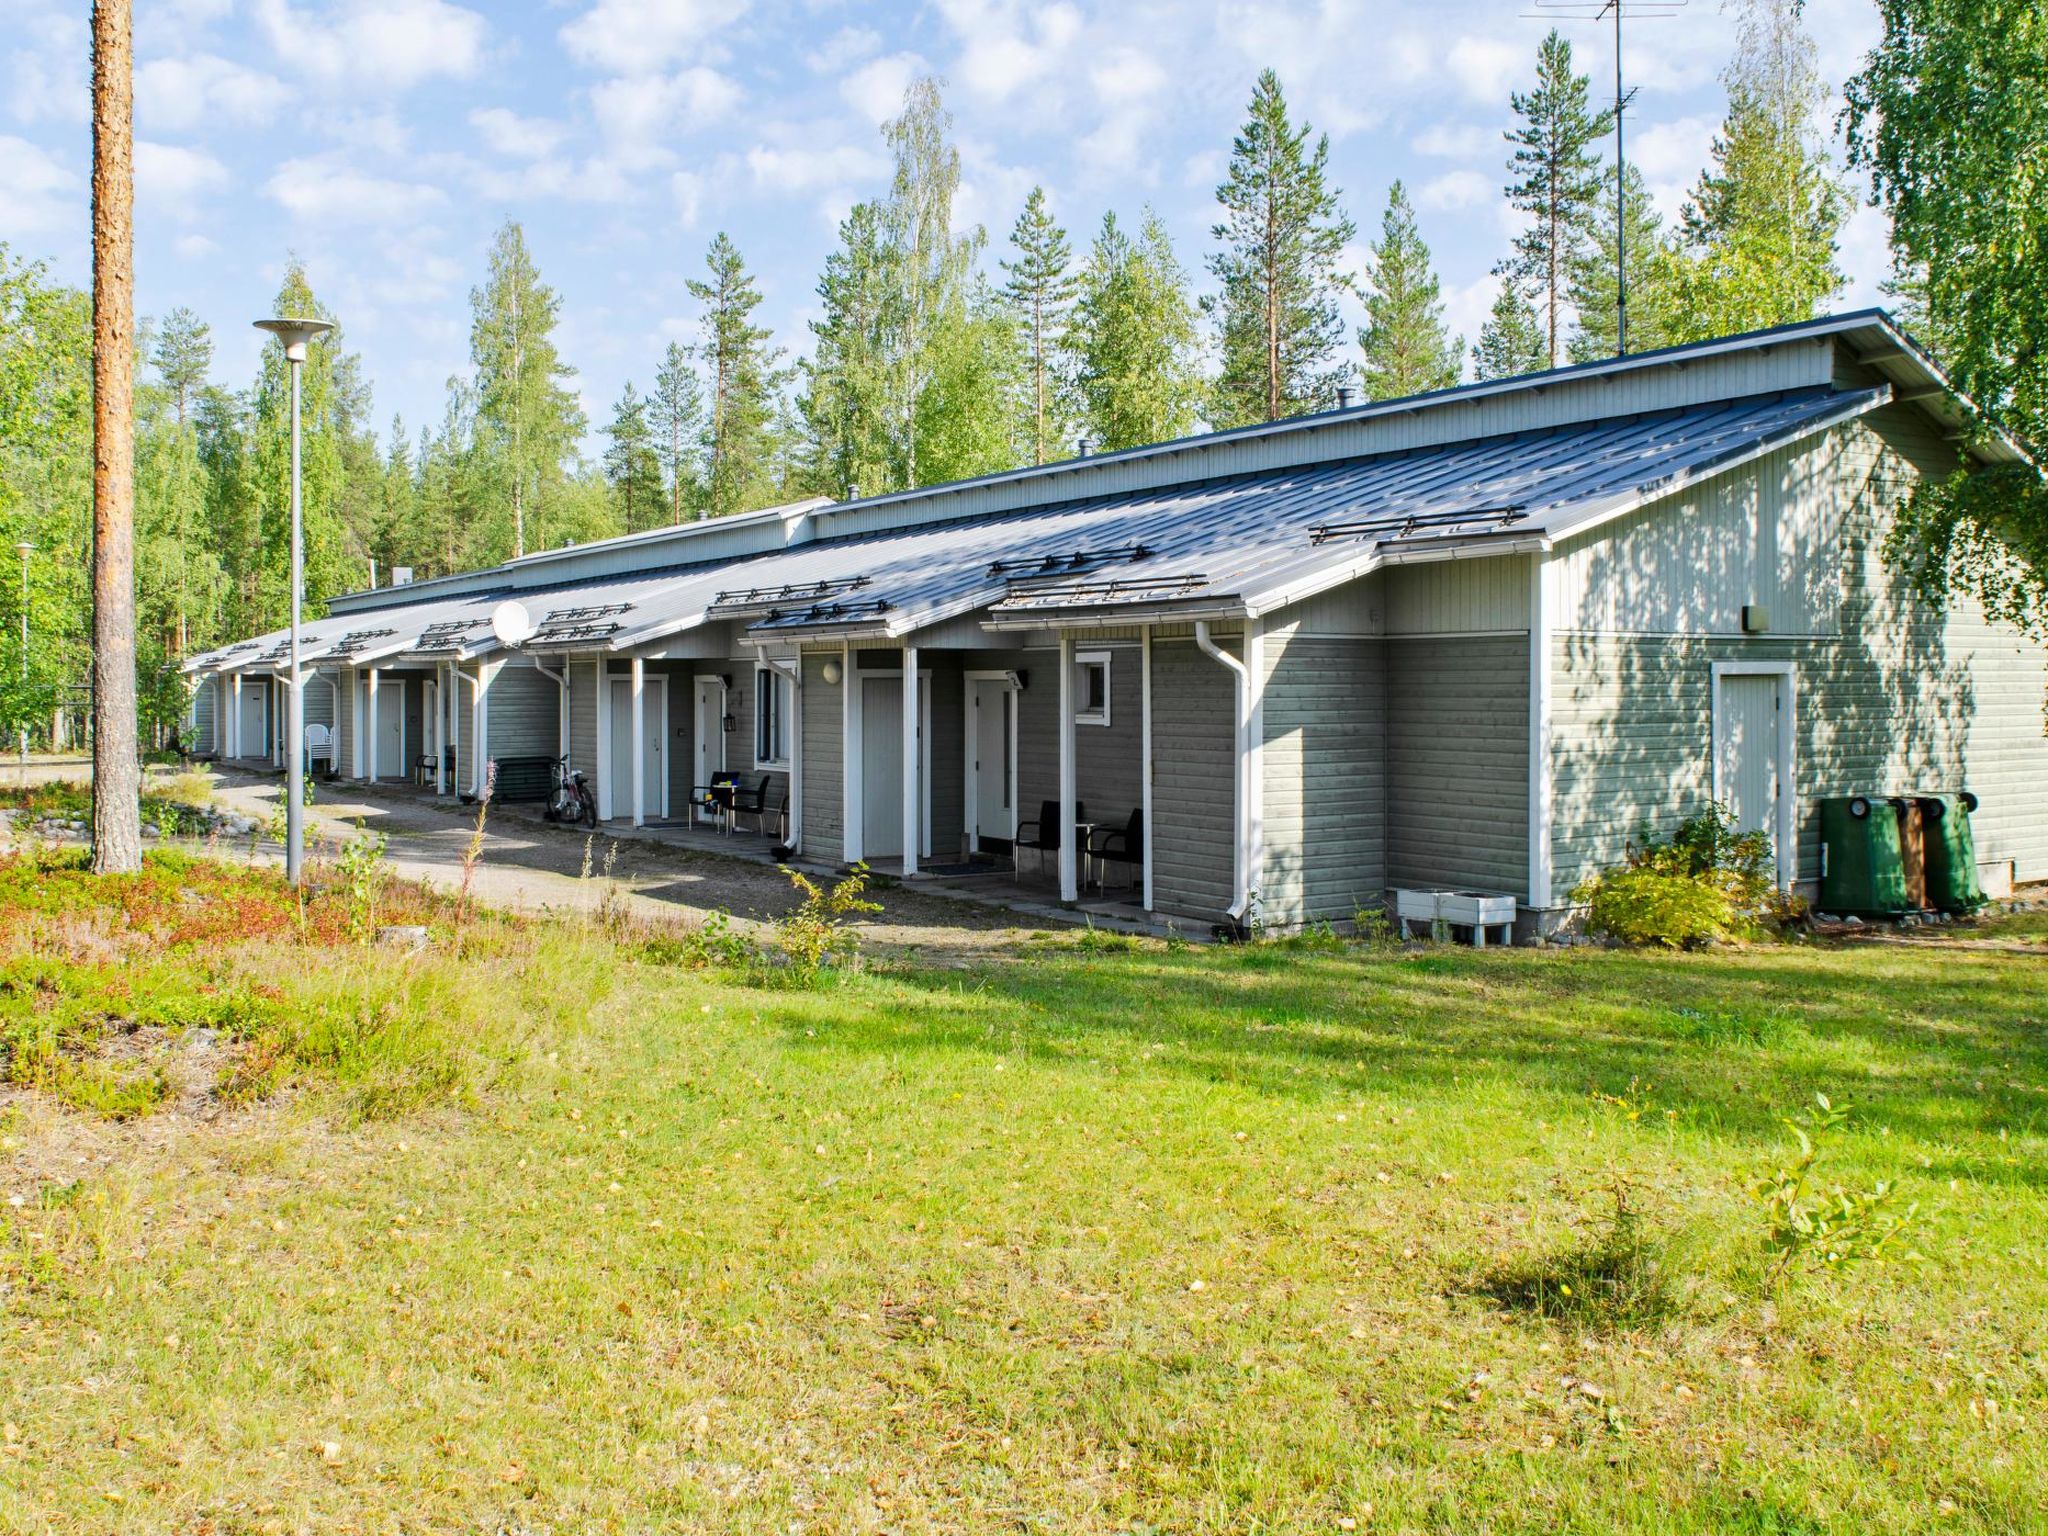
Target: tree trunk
{"points": [[116, 764]]}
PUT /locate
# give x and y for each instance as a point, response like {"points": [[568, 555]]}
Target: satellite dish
{"points": [[511, 623]]}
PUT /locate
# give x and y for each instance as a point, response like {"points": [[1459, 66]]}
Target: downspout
{"points": [[1240, 805], [795, 839]]}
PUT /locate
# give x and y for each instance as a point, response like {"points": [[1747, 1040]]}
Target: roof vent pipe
{"points": [[1347, 397], [1084, 447]]}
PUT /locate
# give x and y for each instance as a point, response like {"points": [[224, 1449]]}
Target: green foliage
{"points": [[1705, 882], [1654, 319], [1555, 185], [676, 414], [1131, 347], [1833, 1227], [1407, 349], [1759, 235], [363, 874], [1283, 234], [744, 373], [1511, 342], [631, 466], [1041, 289], [818, 933], [1619, 1280]]}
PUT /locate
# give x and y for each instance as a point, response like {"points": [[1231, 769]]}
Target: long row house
{"points": [[1475, 640]]}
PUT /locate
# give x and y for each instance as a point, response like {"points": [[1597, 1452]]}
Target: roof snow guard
{"points": [[1075, 563], [449, 635], [771, 601], [1401, 525], [826, 614], [1073, 594], [356, 640], [565, 625]]}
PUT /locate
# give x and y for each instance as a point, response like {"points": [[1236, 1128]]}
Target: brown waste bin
{"points": [[1913, 850]]}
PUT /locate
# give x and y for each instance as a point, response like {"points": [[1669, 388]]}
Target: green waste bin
{"points": [[1951, 852], [1861, 870]]}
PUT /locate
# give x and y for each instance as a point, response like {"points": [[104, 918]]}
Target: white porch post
{"points": [[276, 727], [1540, 621], [482, 720], [372, 732], [234, 736], [1070, 883], [639, 742], [853, 844], [1145, 753], [604, 738], [913, 800]]}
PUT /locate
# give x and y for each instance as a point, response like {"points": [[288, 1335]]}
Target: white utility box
{"points": [[1441, 911]]}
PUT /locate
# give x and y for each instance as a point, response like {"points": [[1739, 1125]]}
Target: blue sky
{"points": [[384, 140]]}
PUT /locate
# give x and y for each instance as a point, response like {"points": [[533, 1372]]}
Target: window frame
{"points": [[1083, 662], [781, 717]]}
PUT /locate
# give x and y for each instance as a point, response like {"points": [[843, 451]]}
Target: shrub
{"points": [[1836, 1227], [1705, 882], [819, 931]]}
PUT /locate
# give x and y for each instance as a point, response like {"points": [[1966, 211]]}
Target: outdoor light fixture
{"points": [[731, 723], [832, 672], [294, 334]]}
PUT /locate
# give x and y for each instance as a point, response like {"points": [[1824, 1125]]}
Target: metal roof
{"points": [[1235, 547]]}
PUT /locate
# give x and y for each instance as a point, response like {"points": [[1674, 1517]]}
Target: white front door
{"points": [[654, 753], [881, 768], [707, 737], [989, 766], [1749, 754], [390, 729], [255, 737]]}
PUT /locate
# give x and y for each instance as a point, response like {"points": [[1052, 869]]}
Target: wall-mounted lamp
{"points": [[726, 679], [832, 672], [1023, 679], [731, 723]]}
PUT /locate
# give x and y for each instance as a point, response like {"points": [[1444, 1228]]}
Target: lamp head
{"points": [[24, 549], [295, 333]]}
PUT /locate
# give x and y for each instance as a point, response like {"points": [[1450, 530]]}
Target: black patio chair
{"points": [[752, 802], [719, 794], [1126, 847], [1042, 833]]}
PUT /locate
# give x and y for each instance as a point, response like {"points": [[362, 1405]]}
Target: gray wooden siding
{"points": [[204, 716], [823, 726], [1458, 763], [1193, 772], [583, 719], [948, 756], [1896, 698], [525, 712], [1454, 597], [1325, 786]]}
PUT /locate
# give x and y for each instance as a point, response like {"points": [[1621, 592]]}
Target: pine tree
{"points": [[528, 423], [676, 413], [848, 407], [631, 466], [1283, 234], [1760, 230], [1041, 289], [1556, 183], [1132, 344], [744, 381], [395, 532], [183, 355], [1652, 279], [1511, 343], [1407, 350]]}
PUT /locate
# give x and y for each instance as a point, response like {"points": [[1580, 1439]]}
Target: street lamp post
{"points": [[24, 549], [294, 334]]}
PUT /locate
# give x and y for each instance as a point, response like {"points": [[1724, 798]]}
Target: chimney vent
{"points": [[1084, 447], [1347, 396]]}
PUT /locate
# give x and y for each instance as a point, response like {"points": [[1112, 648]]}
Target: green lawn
{"points": [[1091, 1239]]}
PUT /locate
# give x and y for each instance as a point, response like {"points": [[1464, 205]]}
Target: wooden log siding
{"points": [[1325, 789], [1193, 771], [1458, 763], [822, 725]]}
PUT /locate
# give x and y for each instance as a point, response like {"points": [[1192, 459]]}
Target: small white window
{"points": [[772, 719], [1091, 688]]}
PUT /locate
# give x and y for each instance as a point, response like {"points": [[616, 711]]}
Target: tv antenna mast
{"points": [[1620, 10]]}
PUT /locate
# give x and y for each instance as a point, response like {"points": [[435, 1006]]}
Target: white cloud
{"points": [[37, 194], [849, 45], [1468, 306], [322, 192], [193, 246], [1671, 155], [1205, 169], [174, 178], [875, 90], [1459, 141], [1007, 48], [1485, 67], [1129, 84], [47, 54], [1866, 257], [686, 188], [785, 168], [379, 45], [638, 114], [1456, 189], [626, 37], [523, 138], [177, 95]]}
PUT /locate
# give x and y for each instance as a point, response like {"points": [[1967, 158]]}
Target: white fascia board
{"points": [[1230, 609], [1593, 514]]}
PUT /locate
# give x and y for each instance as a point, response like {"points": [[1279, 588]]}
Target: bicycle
{"points": [[572, 799]]}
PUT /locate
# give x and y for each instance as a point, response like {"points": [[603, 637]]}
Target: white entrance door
{"points": [[707, 737], [390, 728], [990, 749], [1749, 754], [654, 747], [881, 768]]}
